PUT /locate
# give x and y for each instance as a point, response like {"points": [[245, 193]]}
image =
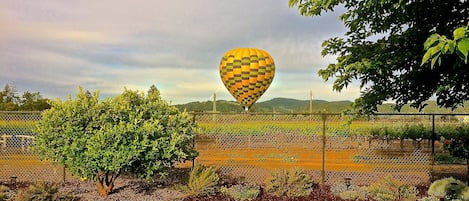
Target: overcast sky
{"points": [[53, 47]]}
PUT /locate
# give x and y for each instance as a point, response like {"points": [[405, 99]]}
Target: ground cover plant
{"points": [[390, 189], [449, 189], [241, 192], [202, 181], [292, 182], [101, 139]]}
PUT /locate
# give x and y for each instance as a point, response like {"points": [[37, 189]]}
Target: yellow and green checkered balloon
{"points": [[247, 73]]}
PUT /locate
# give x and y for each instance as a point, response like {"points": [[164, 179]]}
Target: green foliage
{"points": [[407, 131], [100, 139], [293, 182], [4, 193], [390, 189], [457, 142], [446, 158], [448, 188], [43, 191], [202, 181], [382, 50], [352, 192], [10, 101], [437, 45], [242, 192]]}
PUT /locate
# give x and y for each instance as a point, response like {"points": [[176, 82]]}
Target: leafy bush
{"points": [[294, 182], [457, 143], [449, 188], [390, 189], [101, 139], [3, 192], [242, 192], [202, 181], [446, 158], [43, 191], [352, 192]]}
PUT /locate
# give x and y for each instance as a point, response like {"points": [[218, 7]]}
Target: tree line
{"points": [[10, 100]]}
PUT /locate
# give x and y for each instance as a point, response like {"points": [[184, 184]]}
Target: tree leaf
{"points": [[425, 58], [452, 46], [459, 33], [431, 40], [463, 47], [434, 59]]}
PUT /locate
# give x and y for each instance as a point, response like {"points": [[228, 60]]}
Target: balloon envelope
{"points": [[247, 73]]}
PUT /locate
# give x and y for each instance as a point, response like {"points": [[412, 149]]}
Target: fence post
{"points": [[433, 149], [193, 140], [323, 170]]}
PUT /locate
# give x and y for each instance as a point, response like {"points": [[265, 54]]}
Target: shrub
{"points": [[6, 193], [202, 181], [449, 188], [101, 139], [390, 189], [458, 143], [294, 182], [3, 192], [242, 192], [352, 192], [446, 158]]}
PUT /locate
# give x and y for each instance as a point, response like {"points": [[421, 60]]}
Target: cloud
{"points": [[55, 46]]}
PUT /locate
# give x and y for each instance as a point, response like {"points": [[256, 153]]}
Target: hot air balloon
{"points": [[247, 73]]}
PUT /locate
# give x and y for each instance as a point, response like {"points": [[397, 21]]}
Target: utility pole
{"points": [[214, 117], [214, 102], [311, 105]]}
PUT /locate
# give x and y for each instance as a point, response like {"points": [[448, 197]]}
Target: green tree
{"points": [[8, 99], [130, 133], [383, 50], [33, 102]]}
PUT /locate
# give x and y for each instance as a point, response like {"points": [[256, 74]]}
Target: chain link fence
{"points": [[17, 161], [331, 147]]}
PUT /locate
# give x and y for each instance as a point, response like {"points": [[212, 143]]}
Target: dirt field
{"points": [[255, 165]]}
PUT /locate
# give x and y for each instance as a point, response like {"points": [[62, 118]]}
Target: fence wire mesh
{"points": [[17, 161], [331, 147]]}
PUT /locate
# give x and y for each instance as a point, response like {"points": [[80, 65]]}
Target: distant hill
{"points": [[289, 105], [277, 104]]}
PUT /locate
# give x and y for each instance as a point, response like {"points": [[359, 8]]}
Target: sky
{"points": [[55, 46]]}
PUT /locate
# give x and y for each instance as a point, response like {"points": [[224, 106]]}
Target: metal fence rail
{"points": [[330, 147]]}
